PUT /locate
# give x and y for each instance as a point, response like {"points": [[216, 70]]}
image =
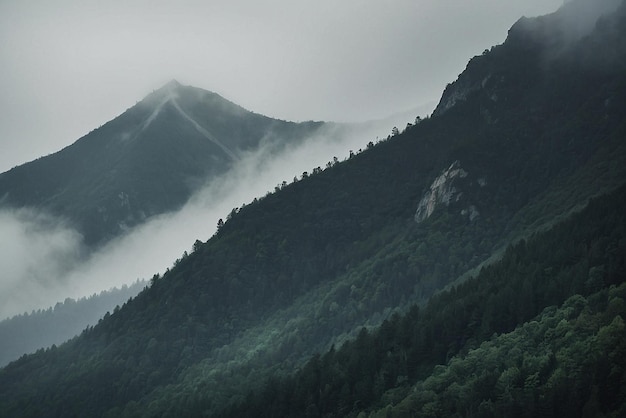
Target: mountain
{"points": [[483, 245], [147, 161]]}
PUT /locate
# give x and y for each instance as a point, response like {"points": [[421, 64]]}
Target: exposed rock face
{"points": [[446, 189], [442, 191]]}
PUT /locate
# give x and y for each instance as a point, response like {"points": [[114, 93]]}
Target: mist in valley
{"points": [[45, 260]]}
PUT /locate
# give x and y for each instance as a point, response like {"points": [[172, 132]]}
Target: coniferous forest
{"points": [[472, 264]]}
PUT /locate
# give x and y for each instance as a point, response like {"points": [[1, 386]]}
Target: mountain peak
{"points": [[538, 39], [169, 88], [164, 93], [171, 85]]}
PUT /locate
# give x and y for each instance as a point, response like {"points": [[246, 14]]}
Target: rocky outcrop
{"points": [[442, 191], [446, 189]]}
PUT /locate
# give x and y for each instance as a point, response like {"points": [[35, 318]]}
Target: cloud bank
{"points": [[36, 252], [44, 261]]}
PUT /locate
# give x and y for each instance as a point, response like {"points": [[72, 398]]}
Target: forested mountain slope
{"points": [[145, 162], [508, 349], [528, 143]]}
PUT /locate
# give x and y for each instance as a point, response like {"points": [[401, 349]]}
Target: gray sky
{"points": [[67, 67]]}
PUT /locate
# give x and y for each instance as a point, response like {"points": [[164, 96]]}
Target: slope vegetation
{"points": [[540, 332]]}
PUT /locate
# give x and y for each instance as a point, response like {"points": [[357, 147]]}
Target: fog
{"points": [[580, 16], [44, 260], [36, 250]]}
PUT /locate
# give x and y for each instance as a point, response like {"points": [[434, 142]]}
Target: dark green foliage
{"points": [[377, 368], [568, 361]]}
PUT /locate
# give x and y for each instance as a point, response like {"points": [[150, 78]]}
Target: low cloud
{"points": [[36, 252], [44, 260], [578, 17], [575, 20]]}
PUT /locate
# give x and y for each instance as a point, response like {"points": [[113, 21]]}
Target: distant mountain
{"points": [[147, 161], [28, 332], [472, 264]]}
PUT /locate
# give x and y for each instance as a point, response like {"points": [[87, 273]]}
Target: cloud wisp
{"points": [[36, 252], [44, 260]]}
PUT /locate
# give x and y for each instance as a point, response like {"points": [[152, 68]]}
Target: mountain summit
{"points": [[580, 32], [147, 161]]}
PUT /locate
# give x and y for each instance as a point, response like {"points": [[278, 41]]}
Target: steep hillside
{"points": [[509, 351], [145, 162], [529, 142]]}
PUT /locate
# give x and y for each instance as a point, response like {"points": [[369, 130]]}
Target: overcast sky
{"points": [[67, 67]]}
